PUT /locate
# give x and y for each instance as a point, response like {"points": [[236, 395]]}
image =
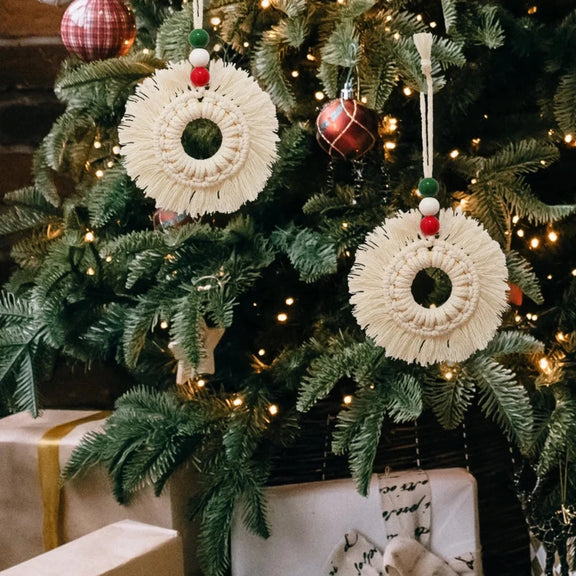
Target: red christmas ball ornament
{"points": [[98, 29], [515, 295], [346, 128], [165, 219], [429, 225]]}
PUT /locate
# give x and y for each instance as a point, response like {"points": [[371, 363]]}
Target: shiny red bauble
{"points": [[98, 29], [346, 128], [166, 219], [429, 225]]}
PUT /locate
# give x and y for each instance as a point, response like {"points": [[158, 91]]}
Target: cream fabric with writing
{"points": [[406, 505]]}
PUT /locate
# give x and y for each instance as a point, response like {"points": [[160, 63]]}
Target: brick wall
{"points": [[30, 56]]}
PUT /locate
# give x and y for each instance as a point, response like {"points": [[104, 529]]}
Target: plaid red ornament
{"points": [[98, 29], [346, 128]]}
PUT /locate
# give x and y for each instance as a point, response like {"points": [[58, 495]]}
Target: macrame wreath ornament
{"points": [[385, 269], [156, 117]]}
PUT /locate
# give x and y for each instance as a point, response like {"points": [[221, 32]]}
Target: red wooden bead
{"points": [[200, 76], [430, 225]]}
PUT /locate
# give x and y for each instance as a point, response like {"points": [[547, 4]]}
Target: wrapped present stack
{"points": [[42, 514]]}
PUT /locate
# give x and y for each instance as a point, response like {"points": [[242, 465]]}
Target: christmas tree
{"points": [[215, 265]]}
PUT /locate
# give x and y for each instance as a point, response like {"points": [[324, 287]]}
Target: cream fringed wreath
{"points": [[157, 116], [381, 286]]}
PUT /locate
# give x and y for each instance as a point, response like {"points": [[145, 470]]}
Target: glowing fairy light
{"points": [[97, 144], [347, 399], [99, 173], [319, 95], [215, 21], [261, 352], [534, 242], [407, 91], [544, 364], [164, 325], [201, 383], [90, 271], [89, 236], [282, 317], [520, 233], [289, 301], [116, 149], [448, 375], [273, 409], [454, 154], [237, 401], [552, 236]]}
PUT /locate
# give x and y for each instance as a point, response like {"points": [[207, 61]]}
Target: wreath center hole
{"points": [[201, 138], [431, 287]]}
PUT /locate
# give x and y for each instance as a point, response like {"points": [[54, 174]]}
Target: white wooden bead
{"points": [[429, 206], [199, 57]]}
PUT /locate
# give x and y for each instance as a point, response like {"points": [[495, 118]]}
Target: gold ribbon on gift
{"points": [[49, 467]]}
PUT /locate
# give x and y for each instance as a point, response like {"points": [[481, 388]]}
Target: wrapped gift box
{"points": [[308, 521], [87, 503], [125, 548]]}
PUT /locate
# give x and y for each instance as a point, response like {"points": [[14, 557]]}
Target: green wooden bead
{"points": [[198, 38], [428, 187]]}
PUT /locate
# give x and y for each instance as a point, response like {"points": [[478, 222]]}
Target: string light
{"points": [[534, 242], [237, 401], [390, 145], [201, 383], [518, 318], [97, 144], [363, 99], [319, 95], [110, 163], [552, 236], [282, 317], [345, 225], [474, 181], [544, 364], [265, 4], [433, 24], [476, 141], [295, 74], [145, 51], [99, 173], [108, 259], [246, 44], [573, 272], [560, 336], [549, 277], [532, 10], [454, 154], [529, 316], [215, 21], [407, 91], [310, 57], [419, 17], [89, 236], [217, 47], [347, 399], [273, 409], [515, 219], [163, 324], [289, 301], [568, 138], [261, 352], [520, 233], [90, 271], [448, 375], [543, 162], [116, 149], [255, 304]]}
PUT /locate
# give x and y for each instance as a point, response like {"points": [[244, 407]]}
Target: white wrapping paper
{"points": [[87, 503], [125, 548], [309, 520]]}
